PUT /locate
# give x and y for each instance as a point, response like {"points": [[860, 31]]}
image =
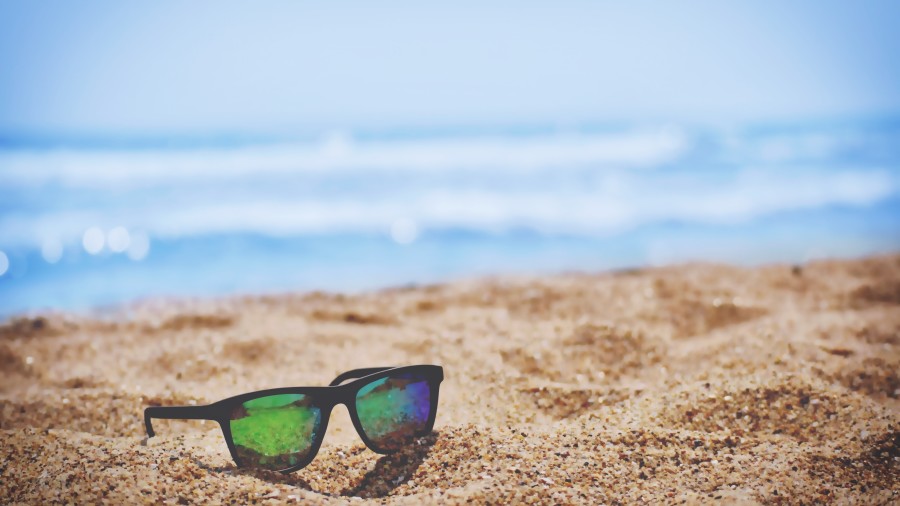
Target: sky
{"points": [[109, 68]]}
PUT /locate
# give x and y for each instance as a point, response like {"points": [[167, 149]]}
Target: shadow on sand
{"points": [[390, 471]]}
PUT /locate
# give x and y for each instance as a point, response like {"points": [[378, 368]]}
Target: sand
{"points": [[693, 383]]}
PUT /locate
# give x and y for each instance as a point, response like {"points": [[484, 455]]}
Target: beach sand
{"points": [[691, 383]]}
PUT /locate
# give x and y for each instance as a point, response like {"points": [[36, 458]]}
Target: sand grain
{"points": [[692, 383]]}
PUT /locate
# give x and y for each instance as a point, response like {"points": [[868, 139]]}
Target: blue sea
{"points": [[91, 223]]}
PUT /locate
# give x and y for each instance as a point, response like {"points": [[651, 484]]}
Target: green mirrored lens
{"points": [[274, 432], [393, 410]]}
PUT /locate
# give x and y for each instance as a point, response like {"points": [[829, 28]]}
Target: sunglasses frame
{"points": [[324, 398]]}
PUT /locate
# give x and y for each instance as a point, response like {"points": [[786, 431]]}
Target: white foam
{"points": [[587, 184], [138, 246], [608, 203], [93, 240], [118, 239], [127, 169], [52, 250]]}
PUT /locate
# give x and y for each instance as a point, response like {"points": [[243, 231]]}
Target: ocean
{"points": [[88, 223]]}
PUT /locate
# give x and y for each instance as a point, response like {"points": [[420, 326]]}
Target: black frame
{"points": [[325, 398]]}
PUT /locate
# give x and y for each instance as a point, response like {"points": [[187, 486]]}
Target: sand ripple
{"points": [[696, 383]]}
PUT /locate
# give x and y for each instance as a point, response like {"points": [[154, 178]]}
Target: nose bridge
{"points": [[346, 396]]}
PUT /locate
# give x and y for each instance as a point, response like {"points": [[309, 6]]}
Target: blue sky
{"points": [[170, 68]]}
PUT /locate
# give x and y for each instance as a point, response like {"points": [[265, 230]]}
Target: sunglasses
{"points": [[281, 429]]}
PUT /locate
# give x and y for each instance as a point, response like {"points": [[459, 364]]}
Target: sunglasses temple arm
{"points": [[356, 373], [175, 413]]}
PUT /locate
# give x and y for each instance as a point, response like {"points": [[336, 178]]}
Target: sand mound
{"points": [[690, 383]]}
